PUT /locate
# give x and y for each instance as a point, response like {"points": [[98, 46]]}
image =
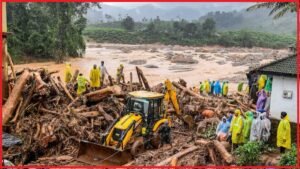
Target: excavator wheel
{"points": [[155, 141], [137, 147]]}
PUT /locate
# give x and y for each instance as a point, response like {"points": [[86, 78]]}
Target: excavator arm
{"points": [[170, 97]]}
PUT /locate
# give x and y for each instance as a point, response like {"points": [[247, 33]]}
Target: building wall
{"points": [[278, 103]]}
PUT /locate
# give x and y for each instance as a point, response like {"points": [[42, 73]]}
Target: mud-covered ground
{"points": [[159, 62]]}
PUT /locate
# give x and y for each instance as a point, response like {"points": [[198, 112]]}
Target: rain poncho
{"points": [[212, 86], [255, 134], [223, 127], [240, 86], [267, 104], [262, 97], [265, 127], [207, 86], [225, 89], [268, 86], [247, 126], [202, 87], [95, 76], [217, 88], [261, 82], [81, 84], [236, 128], [68, 73], [229, 119], [284, 133]]}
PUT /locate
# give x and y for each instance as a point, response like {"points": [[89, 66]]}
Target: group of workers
{"points": [[214, 88], [96, 78], [242, 128]]}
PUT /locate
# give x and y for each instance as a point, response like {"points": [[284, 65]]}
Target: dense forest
{"points": [[46, 30], [182, 33]]}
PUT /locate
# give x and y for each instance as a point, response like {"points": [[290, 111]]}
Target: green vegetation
{"points": [[46, 30], [289, 158], [249, 153], [185, 33]]}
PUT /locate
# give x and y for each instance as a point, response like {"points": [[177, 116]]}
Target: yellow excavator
{"points": [[138, 126]]}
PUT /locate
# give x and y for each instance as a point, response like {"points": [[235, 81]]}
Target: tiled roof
{"points": [[284, 67]]}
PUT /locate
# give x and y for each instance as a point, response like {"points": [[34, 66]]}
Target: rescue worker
{"points": [[165, 134], [268, 87], [222, 129], [225, 89], [68, 73], [284, 133], [261, 101], [95, 75], [265, 127], [212, 86], [202, 88], [81, 84], [217, 88], [236, 128], [247, 126], [255, 128], [240, 86], [122, 73], [103, 73], [207, 86], [118, 75], [261, 82]]}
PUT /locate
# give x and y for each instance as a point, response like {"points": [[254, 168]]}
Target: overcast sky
{"points": [[229, 5]]}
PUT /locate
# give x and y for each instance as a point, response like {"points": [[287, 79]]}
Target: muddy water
{"points": [[115, 54]]}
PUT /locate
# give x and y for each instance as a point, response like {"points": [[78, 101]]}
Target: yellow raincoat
{"points": [[68, 73], [207, 87], [261, 82], [284, 133], [236, 128], [81, 84], [95, 76], [225, 89]]}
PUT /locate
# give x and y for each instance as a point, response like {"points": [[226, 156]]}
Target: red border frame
{"points": [[186, 167]]}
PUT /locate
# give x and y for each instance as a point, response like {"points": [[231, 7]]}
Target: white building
{"points": [[284, 86]]}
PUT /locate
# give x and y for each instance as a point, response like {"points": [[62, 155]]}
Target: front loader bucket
{"points": [[95, 154]]}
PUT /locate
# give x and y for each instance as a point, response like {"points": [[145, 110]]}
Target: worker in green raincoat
{"points": [[236, 128], [81, 84], [68, 73], [247, 126], [202, 87], [268, 87], [284, 133], [225, 89], [240, 86], [95, 76]]}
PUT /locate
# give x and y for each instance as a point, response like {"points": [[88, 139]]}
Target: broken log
{"points": [[212, 154], [13, 99], [54, 85], [223, 152], [65, 89], [174, 161], [178, 155], [189, 92], [140, 73], [18, 111], [48, 111], [11, 66], [89, 114], [102, 93], [39, 81], [106, 116], [202, 142]]}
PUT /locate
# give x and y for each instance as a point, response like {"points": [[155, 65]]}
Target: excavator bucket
{"points": [[95, 154]]}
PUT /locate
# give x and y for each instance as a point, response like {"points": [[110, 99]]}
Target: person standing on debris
{"points": [[165, 134], [122, 77], [222, 129], [103, 73], [261, 82], [236, 128], [261, 101], [207, 86], [265, 127], [247, 126], [217, 88], [202, 88], [255, 128], [68, 73], [284, 133], [212, 86], [118, 75], [225, 89], [240, 86], [268, 87], [95, 76], [81, 84]]}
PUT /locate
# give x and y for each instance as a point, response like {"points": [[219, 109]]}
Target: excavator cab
{"points": [[126, 136]]}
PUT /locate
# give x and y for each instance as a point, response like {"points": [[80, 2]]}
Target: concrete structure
{"points": [[284, 86]]}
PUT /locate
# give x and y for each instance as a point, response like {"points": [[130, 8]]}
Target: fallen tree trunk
{"points": [[65, 89], [223, 152], [174, 161], [189, 92], [11, 66], [106, 116], [12, 101], [74, 78], [89, 114], [102, 93], [178, 155], [141, 74]]}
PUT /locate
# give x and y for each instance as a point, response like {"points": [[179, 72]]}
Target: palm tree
{"points": [[280, 8]]}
